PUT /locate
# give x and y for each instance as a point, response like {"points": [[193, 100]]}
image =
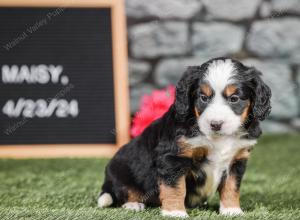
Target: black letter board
{"points": [[63, 86]]}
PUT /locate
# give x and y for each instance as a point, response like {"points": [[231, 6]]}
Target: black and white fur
{"points": [[154, 156]]}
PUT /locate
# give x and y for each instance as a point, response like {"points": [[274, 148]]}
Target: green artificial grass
{"points": [[68, 188]]}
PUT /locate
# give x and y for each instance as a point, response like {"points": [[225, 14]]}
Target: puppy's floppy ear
{"points": [[261, 106], [183, 92]]}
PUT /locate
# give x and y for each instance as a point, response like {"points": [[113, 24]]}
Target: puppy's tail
{"points": [[105, 199]]}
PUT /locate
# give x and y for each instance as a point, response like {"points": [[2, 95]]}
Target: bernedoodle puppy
{"points": [[199, 146]]}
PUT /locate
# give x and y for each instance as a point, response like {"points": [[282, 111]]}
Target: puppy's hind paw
{"points": [[104, 200], [135, 206], [175, 213]]}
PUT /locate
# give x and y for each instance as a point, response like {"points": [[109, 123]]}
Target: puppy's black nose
{"points": [[216, 125]]}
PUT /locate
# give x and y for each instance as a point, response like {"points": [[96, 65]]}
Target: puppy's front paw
{"points": [[135, 206], [175, 213], [231, 211]]}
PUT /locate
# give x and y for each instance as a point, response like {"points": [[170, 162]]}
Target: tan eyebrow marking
{"points": [[230, 90], [206, 89]]}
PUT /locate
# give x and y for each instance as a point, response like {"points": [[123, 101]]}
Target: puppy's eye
{"points": [[204, 98], [233, 99]]}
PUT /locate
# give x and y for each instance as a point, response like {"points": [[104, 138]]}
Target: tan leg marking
{"points": [[230, 198], [243, 154], [172, 198], [195, 154], [186, 150], [134, 201], [199, 153], [229, 194], [134, 196]]}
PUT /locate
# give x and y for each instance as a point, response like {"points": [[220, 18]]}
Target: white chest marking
{"points": [[221, 152]]}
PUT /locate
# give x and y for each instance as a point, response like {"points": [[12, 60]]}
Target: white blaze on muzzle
{"points": [[219, 76]]}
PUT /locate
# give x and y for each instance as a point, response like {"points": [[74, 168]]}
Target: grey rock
{"points": [[275, 127], [277, 76], [286, 6], [216, 39], [169, 71], [276, 38], [136, 93], [231, 9], [138, 71], [183, 9], [265, 9], [298, 92], [153, 39], [296, 123], [298, 77]]}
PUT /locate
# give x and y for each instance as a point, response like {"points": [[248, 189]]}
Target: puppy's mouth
{"points": [[216, 134], [211, 134], [219, 134]]}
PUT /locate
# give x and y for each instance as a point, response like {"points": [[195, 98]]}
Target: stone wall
{"points": [[166, 36]]}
